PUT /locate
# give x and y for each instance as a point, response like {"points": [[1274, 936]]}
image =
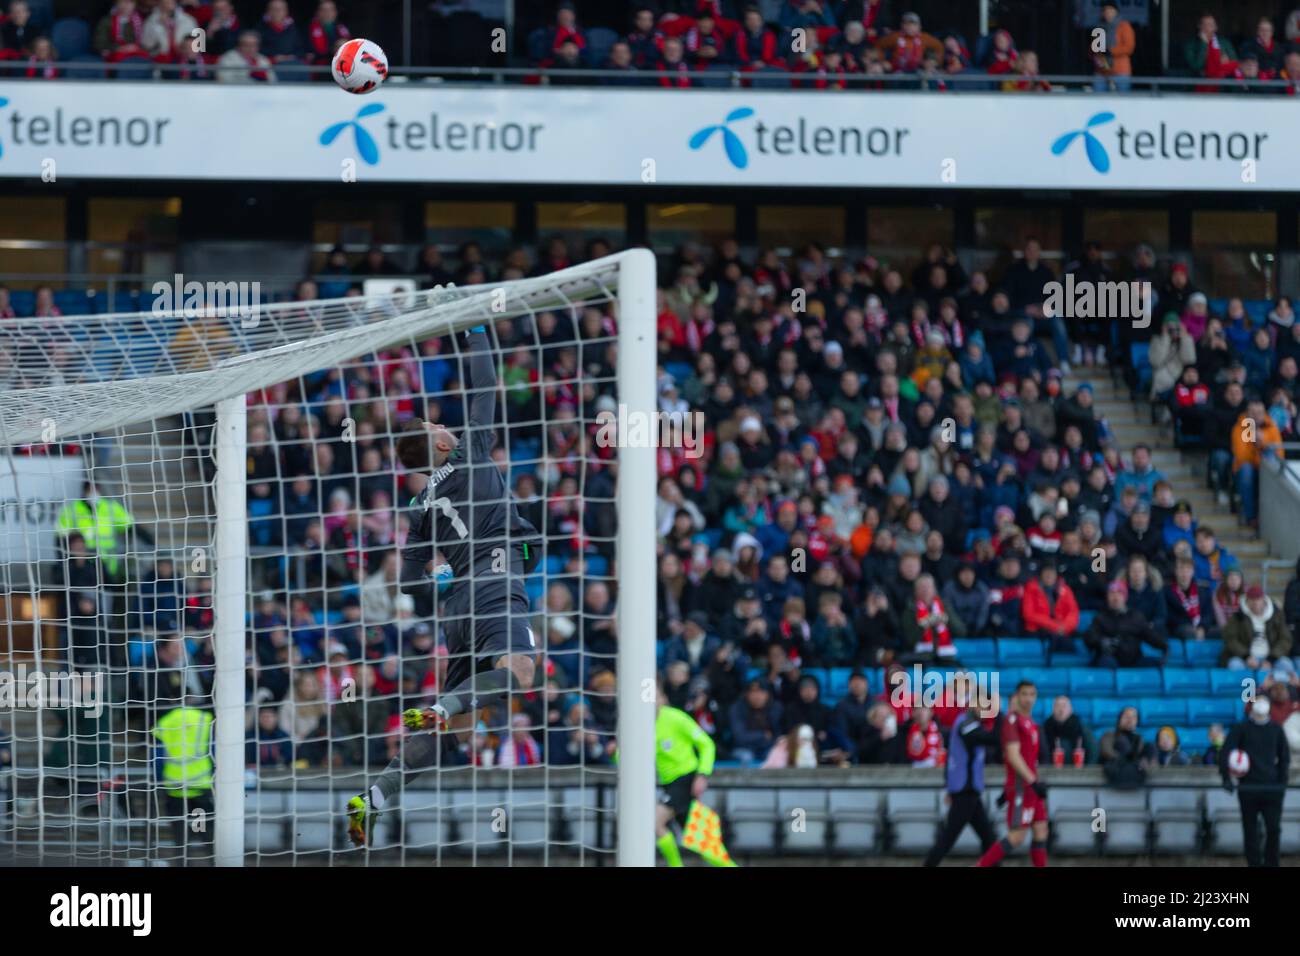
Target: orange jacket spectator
{"points": [[1265, 433], [904, 50], [1118, 58], [1041, 618]]}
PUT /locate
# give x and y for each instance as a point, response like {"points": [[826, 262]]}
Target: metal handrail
{"points": [[146, 71]]}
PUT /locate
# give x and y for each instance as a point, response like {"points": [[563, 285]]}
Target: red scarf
{"points": [[118, 29], [908, 54], [321, 41], [255, 72], [46, 71], [1190, 601], [936, 635]]}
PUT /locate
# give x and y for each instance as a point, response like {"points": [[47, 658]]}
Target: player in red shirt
{"points": [[1025, 794]]}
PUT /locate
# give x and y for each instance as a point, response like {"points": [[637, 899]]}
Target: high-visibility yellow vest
{"points": [[185, 735], [98, 526]]}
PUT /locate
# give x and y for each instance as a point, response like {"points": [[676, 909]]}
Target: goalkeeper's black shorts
{"points": [[476, 642], [677, 796]]}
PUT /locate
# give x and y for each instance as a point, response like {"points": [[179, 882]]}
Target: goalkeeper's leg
{"points": [[510, 671]]}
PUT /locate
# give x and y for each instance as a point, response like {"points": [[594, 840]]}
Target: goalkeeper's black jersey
{"points": [[466, 511]]}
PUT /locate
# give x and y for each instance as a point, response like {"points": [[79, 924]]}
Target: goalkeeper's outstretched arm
{"points": [[482, 383]]}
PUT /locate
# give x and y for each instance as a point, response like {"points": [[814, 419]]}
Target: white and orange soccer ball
{"points": [[359, 66], [1238, 763]]}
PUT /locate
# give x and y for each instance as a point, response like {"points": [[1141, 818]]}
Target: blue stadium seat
{"points": [[71, 37], [1203, 653], [978, 651], [837, 682], [755, 673], [1139, 680], [1176, 656], [1203, 711], [124, 302], [535, 588], [72, 302], [876, 681], [1085, 620], [1050, 681], [1158, 711], [597, 566], [1105, 711], [1194, 741], [1091, 682], [600, 40], [1078, 657], [1186, 681], [1024, 651], [1224, 682]]}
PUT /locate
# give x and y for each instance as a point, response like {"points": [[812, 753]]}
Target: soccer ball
{"points": [[359, 66], [1238, 763]]}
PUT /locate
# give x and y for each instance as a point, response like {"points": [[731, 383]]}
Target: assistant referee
{"points": [[683, 761], [965, 785]]}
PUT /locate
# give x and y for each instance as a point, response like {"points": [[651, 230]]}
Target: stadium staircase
{"points": [[1130, 422], [156, 477]]}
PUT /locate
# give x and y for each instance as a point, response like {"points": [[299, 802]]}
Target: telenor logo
{"points": [[1096, 152], [735, 149], [3, 103], [366, 146]]}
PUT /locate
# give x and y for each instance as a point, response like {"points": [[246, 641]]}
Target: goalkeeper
{"points": [[466, 512], [683, 762]]}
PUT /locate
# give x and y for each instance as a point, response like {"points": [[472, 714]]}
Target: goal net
{"points": [[205, 644]]}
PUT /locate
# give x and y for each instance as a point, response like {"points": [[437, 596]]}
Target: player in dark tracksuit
{"points": [[1263, 788], [965, 785], [465, 512]]}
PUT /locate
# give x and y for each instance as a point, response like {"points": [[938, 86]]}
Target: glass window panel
{"points": [[449, 224], [1001, 232], [900, 235], [28, 227], [133, 236], [1235, 253], [671, 224], [789, 228]]}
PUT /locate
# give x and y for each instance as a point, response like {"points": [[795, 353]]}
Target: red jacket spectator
{"points": [[756, 48], [1003, 56], [565, 29], [1188, 395], [325, 32], [704, 43], [1042, 616]]}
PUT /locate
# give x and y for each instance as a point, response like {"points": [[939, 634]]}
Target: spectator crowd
{"points": [[892, 468], [825, 44]]}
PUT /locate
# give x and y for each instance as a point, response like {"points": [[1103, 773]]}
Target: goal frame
{"points": [[635, 576]]}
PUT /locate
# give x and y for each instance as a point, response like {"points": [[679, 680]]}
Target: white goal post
{"points": [[91, 378]]}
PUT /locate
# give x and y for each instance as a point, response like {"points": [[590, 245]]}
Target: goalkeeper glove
{"points": [[1039, 788], [442, 577], [477, 328]]}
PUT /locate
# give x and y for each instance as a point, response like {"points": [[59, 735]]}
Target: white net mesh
{"points": [[107, 567]]}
